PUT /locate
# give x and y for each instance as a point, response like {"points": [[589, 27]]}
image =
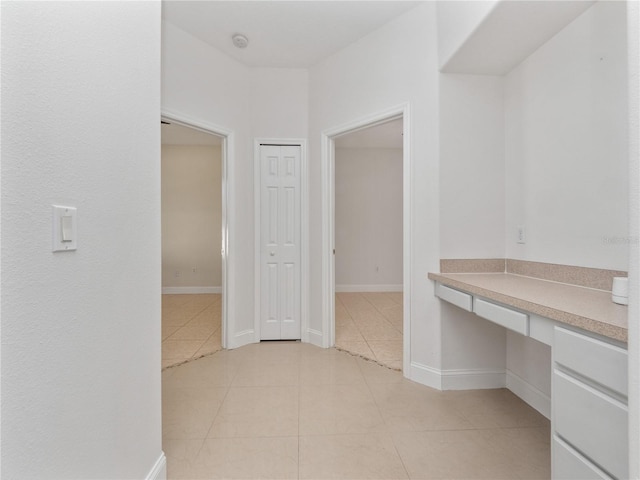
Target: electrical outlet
{"points": [[176, 274], [522, 234]]}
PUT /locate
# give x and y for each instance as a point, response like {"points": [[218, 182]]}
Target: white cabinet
{"points": [[455, 297], [589, 407]]}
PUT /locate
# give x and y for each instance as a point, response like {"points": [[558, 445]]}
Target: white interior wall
{"points": [[81, 329], [368, 219], [472, 206], [279, 103], [208, 86], [391, 66], [457, 21], [202, 83], [191, 217], [472, 173], [566, 145], [566, 159]]}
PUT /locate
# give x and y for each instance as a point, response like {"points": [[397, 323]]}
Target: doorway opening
{"points": [[194, 241], [395, 297], [368, 242]]}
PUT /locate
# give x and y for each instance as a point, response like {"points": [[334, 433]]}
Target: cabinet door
{"points": [[570, 465], [592, 422]]}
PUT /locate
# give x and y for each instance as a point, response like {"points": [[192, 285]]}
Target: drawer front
{"points": [[570, 465], [459, 299], [597, 360], [592, 422], [516, 321]]}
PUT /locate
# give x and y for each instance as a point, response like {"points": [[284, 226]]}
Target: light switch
{"points": [[67, 228], [64, 228]]}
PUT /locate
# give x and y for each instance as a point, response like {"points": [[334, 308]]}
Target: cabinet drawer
{"points": [[570, 465], [459, 299], [516, 321], [602, 362], [592, 422]]}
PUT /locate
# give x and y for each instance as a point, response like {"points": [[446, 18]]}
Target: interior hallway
{"points": [[287, 410], [370, 325], [191, 327]]}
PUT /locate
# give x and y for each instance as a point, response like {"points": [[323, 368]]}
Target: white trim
{"points": [[429, 376], [304, 232], [530, 394], [190, 290], [368, 288], [327, 166], [314, 337], [159, 469], [469, 379], [472, 379], [228, 208]]}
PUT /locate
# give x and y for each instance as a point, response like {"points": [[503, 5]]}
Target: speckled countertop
{"points": [[585, 308]]}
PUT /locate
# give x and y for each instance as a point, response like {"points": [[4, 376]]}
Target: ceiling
{"points": [[174, 134], [384, 135], [285, 34]]}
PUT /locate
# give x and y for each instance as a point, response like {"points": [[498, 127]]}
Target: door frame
{"points": [[328, 221], [304, 232], [227, 157]]}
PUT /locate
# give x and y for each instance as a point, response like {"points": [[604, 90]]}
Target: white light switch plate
{"points": [[65, 228]]}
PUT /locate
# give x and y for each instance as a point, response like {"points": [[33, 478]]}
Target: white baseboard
{"points": [[315, 337], [159, 470], [530, 394], [475, 379], [425, 375], [368, 288], [190, 290], [243, 338]]}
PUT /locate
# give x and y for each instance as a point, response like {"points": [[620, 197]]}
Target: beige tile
{"points": [[204, 372], [496, 408], [193, 332], [247, 458], [333, 409], [211, 345], [394, 316], [168, 330], [380, 300], [181, 455], [387, 352], [348, 332], [411, 407], [188, 412], [341, 369], [257, 412], [451, 454], [519, 443], [180, 350], [267, 373], [378, 329], [363, 456], [375, 373], [357, 348]]}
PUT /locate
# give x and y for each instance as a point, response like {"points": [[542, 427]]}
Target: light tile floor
{"points": [[367, 324], [190, 327], [287, 410], [370, 325]]}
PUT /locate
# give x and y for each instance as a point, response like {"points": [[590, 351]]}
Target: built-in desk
{"points": [[585, 308], [587, 333]]}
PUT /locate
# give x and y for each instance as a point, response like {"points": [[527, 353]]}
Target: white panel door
{"points": [[280, 242]]}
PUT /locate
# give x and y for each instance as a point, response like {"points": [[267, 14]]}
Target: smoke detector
{"points": [[240, 40]]}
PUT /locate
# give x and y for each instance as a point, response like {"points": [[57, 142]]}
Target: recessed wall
{"points": [[368, 219], [191, 217]]}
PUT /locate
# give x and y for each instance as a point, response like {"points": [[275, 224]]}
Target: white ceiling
{"points": [[174, 134], [384, 135], [293, 34]]}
